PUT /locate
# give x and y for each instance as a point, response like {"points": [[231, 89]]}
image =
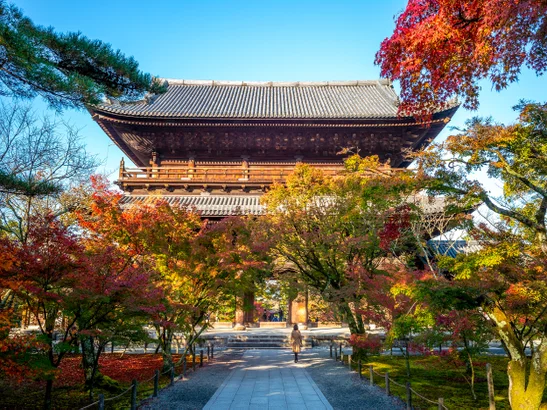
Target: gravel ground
{"points": [[344, 390], [196, 390]]}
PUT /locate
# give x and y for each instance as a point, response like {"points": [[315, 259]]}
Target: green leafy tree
{"points": [[333, 232], [506, 278], [67, 70]]}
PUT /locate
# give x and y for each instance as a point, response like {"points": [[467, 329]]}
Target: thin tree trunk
{"points": [[49, 382], [166, 345], [95, 375], [356, 327], [407, 358], [88, 359], [470, 367], [49, 391]]}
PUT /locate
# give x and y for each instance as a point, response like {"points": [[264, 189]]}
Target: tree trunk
{"points": [[51, 359], [355, 323], [166, 343], [522, 395], [49, 391], [525, 388], [356, 327], [88, 359], [90, 362], [407, 357], [469, 366]]}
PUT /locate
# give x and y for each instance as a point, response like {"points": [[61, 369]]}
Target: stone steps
{"points": [[262, 342]]}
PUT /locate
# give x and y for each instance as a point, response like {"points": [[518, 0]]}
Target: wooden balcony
{"points": [[221, 178]]}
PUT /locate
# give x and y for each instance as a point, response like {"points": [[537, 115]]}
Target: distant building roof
{"points": [[190, 99], [452, 247]]}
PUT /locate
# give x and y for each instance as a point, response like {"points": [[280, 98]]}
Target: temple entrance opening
{"points": [[271, 303]]}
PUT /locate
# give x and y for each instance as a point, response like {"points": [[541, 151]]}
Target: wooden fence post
{"points": [[101, 401], [156, 382], [408, 397], [212, 351], [387, 383], [201, 358], [371, 375], [172, 374], [134, 395], [490, 380], [340, 349], [359, 368], [441, 403], [335, 355], [209, 351], [193, 360], [184, 366], [331, 350]]}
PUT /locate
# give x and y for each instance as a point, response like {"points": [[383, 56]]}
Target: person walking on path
{"points": [[296, 341]]}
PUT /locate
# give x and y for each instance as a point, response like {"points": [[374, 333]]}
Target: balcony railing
{"points": [[208, 176], [235, 175]]}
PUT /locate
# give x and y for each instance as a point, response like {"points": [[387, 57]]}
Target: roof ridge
{"points": [[175, 81]]}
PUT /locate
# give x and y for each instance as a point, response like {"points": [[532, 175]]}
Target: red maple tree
{"points": [[442, 48]]}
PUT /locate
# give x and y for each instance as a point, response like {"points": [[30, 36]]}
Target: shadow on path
{"points": [[342, 388]]}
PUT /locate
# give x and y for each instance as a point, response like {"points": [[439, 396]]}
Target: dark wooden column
{"points": [[249, 308], [298, 310]]}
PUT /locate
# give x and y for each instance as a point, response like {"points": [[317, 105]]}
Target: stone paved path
{"points": [[268, 379]]}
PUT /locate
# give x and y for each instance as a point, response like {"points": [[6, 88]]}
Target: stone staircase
{"points": [[263, 342]]}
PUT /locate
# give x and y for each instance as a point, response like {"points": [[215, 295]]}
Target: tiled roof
{"points": [[206, 205], [430, 204], [452, 248], [228, 205], [186, 99]]}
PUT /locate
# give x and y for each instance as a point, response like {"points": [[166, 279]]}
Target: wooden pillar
{"points": [[154, 163], [122, 169], [245, 167], [239, 315], [191, 168], [249, 308], [298, 310]]}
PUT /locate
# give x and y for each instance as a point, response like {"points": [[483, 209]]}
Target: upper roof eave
{"points": [[262, 121]]}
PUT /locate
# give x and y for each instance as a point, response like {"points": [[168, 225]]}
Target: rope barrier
{"points": [[404, 387], [397, 384], [422, 397], [165, 372], [109, 399], [119, 395], [171, 369], [378, 374], [148, 380], [89, 405]]}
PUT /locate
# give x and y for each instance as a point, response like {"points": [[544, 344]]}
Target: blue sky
{"points": [[242, 40]]}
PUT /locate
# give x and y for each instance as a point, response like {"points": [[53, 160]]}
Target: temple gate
{"points": [[217, 146]]}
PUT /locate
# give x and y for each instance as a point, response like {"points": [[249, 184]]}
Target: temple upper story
{"points": [[212, 121]]}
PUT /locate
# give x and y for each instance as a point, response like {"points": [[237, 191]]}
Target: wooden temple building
{"points": [[216, 146]]}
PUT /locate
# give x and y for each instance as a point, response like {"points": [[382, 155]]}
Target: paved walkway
{"points": [[268, 379]]}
